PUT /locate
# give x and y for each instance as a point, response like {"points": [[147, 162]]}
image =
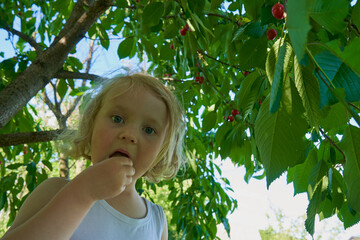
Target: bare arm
{"points": [[164, 235], [56, 208], [47, 212]]}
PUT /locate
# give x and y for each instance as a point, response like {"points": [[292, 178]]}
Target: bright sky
{"points": [[254, 200]]}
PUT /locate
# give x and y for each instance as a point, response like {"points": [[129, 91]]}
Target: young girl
{"points": [[132, 128]]}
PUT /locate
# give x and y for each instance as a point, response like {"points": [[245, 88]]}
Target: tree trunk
{"points": [[48, 63]]}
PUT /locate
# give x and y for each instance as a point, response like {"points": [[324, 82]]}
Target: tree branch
{"points": [[26, 38], [28, 137], [77, 75], [46, 99], [15, 96]]}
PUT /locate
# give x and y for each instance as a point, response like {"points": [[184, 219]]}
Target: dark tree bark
{"points": [[48, 63], [28, 137]]}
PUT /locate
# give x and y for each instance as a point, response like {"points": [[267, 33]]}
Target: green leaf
{"points": [[254, 30], [125, 47], [350, 81], [104, 38], [14, 166], [330, 14], [266, 15], [215, 4], [302, 173], [309, 91], [253, 8], [335, 117], [248, 93], [298, 25], [277, 83], [348, 217], [209, 121], [62, 88], [313, 207], [166, 53], [272, 58], [220, 139], [317, 174], [153, 13], [350, 144], [151, 51], [253, 54], [279, 138], [171, 31], [355, 15], [349, 55], [340, 75]]}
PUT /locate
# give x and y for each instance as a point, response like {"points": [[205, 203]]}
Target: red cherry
{"points": [[235, 112], [25, 150], [183, 31], [199, 80], [278, 11], [164, 75], [230, 118], [271, 34], [172, 46], [187, 27], [246, 73], [260, 102]]}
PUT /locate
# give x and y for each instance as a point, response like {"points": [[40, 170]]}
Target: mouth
{"points": [[120, 153]]}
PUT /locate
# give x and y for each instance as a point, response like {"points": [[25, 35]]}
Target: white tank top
{"points": [[103, 222]]}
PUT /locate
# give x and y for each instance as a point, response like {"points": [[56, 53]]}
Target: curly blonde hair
{"points": [[171, 156]]}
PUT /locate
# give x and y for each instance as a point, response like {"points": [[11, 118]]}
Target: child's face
{"points": [[134, 123]]}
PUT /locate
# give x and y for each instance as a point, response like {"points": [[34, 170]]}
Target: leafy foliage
{"points": [[298, 95]]}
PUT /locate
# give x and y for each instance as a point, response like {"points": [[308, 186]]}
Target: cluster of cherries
{"points": [[199, 79], [184, 30], [231, 118], [278, 12]]}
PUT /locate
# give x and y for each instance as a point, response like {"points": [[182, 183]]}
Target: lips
{"points": [[120, 153]]}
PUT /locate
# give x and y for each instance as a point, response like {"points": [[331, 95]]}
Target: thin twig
{"points": [[26, 38], [219, 61], [333, 144], [225, 17]]}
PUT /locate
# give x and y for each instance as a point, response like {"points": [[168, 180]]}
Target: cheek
{"points": [[99, 139]]}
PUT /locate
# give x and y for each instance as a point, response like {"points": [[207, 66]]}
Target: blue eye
{"points": [[149, 130], [117, 119]]}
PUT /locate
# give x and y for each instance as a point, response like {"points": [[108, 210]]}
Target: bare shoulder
{"points": [[38, 199]]}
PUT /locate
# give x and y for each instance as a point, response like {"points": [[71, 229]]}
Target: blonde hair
{"points": [[171, 156]]}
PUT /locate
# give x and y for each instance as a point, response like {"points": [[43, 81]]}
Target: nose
{"points": [[128, 134]]}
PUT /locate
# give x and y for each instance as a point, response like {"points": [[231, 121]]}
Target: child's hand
{"points": [[107, 178]]}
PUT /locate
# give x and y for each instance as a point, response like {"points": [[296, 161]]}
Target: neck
{"points": [[128, 195], [129, 203]]}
